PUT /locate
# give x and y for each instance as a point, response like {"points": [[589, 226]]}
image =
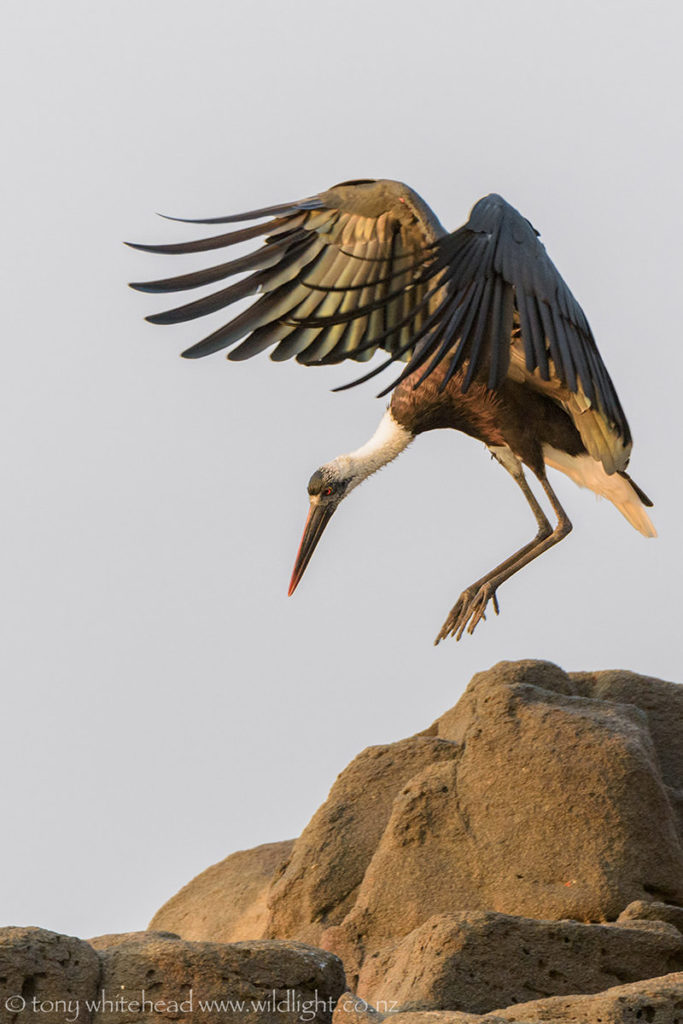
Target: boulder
{"points": [[318, 885], [477, 961], [261, 982], [227, 902], [350, 1009], [642, 910], [658, 1000], [655, 1001], [45, 976], [555, 806], [662, 705]]}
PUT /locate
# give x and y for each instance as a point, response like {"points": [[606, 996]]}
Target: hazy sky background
{"points": [[164, 702]]}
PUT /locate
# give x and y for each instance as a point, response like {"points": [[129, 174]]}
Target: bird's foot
{"points": [[468, 611]]}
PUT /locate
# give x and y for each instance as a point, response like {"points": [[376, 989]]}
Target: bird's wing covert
{"points": [[340, 274]]}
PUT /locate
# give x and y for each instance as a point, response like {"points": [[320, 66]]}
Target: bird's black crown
{"points": [[316, 483], [325, 483]]}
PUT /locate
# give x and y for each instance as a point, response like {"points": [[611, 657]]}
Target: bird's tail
{"points": [[586, 471]]}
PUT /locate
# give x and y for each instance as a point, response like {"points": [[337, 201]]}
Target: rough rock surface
{"points": [[227, 902], [38, 966], [527, 844], [318, 886], [641, 910], [662, 705], [477, 961], [540, 794], [352, 1010], [179, 971], [556, 806], [656, 1001], [151, 977], [117, 938], [541, 806]]}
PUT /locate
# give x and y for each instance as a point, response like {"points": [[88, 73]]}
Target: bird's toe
{"points": [[468, 612]]}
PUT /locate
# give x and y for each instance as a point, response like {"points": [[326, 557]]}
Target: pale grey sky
{"points": [[164, 702]]}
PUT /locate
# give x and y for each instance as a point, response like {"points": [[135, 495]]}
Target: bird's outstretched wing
{"points": [[502, 311], [340, 275], [507, 312], [367, 265]]}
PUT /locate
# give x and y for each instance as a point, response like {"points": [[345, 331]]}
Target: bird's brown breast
{"points": [[513, 415]]}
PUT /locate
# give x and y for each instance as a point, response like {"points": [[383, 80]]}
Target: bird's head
{"points": [[328, 486]]}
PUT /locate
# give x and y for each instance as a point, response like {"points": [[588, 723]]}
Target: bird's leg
{"points": [[474, 598], [470, 607]]}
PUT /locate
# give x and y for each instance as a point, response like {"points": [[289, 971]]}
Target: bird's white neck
{"points": [[388, 441]]}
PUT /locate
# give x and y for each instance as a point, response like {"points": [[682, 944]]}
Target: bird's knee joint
{"points": [[564, 527]]}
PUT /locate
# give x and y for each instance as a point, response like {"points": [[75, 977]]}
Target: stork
{"points": [[494, 344]]}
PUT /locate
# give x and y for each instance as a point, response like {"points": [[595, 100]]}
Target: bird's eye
{"points": [[327, 492]]}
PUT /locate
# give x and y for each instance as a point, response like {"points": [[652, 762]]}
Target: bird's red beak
{"points": [[318, 518]]}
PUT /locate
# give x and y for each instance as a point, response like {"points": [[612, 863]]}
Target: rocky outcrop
{"points": [[655, 1001], [39, 967], [477, 961], [556, 804], [319, 884], [150, 977], [153, 976], [521, 858], [228, 901], [541, 806], [212, 981], [642, 910]]}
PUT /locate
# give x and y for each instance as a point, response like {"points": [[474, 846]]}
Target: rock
{"points": [[661, 703], [658, 1000], [443, 1017], [655, 1001], [118, 938], [641, 910], [442, 868], [553, 807], [478, 961], [53, 979], [261, 982], [319, 883], [45, 976], [227, 902], [351, 1009], [540, 795]]}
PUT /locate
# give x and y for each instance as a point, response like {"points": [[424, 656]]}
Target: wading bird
{"points": [[495, 345]]}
